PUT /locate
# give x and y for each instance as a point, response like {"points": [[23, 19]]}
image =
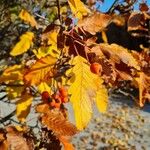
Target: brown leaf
{"points": [[119, 54], [143, 83], [136, 21], [15, 140], [95, 23], [54, 120], [3, 142], [143, 7]]}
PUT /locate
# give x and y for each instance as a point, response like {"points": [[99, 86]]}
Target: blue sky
{"points": [[107, 4]]}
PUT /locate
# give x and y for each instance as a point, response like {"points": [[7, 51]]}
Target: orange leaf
{"points": [[66, 143], [55, 121], [41, 71]]}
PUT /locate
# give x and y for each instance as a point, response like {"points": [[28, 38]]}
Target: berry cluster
{"points": [[55, 100]]}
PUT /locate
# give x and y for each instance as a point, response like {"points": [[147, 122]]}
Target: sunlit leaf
{"points": [[66, 143], [44, 87], [54, 120], [12, 74], [44, 51], [102, 99], [118, 53], [143, 84], [41, 71], [23, 45], [83, 89], [95, 23], [78, 8], [23, 107], [24, 15], [14, 91]]}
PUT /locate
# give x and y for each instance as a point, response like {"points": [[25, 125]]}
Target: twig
{"points": [[58, 7], [41, 17], [112, 6]]}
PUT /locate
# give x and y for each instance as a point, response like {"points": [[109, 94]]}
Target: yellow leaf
{"points": [[23, 107], [14, 91], [41, 71], [102, 99], [44, 51], [104, 37], [24, 15], [44, 87], [118, 53], [78, 8], [83, 90], [23, 45], [12, 74], [51, 35]]}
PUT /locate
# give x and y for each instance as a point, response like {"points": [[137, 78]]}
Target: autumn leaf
{"points": [[66, 143], [16, 140], [49, 38], [143, 84], [14, 91], [78, 8], [95, 23], [3, 141], [102, 99], [23, 45], [23, 106], [44, 51], [12, 74], [44, 87], [83, 89], [24, 15], [41, 71], [118, 53], [54, 120]]}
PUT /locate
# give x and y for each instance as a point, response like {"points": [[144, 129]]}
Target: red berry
{"points": [[52, 103], [95, 68], [57, 103], [63, 92], [64, 99], [45, 96]]}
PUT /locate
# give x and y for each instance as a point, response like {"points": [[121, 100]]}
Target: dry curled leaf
{"points": [[95, 23], [15, 140], [54, 120], [143, 84], [118, 53]]}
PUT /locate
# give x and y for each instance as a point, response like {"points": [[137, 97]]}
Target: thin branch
{"points": [[112, 6], [58, 7]]}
